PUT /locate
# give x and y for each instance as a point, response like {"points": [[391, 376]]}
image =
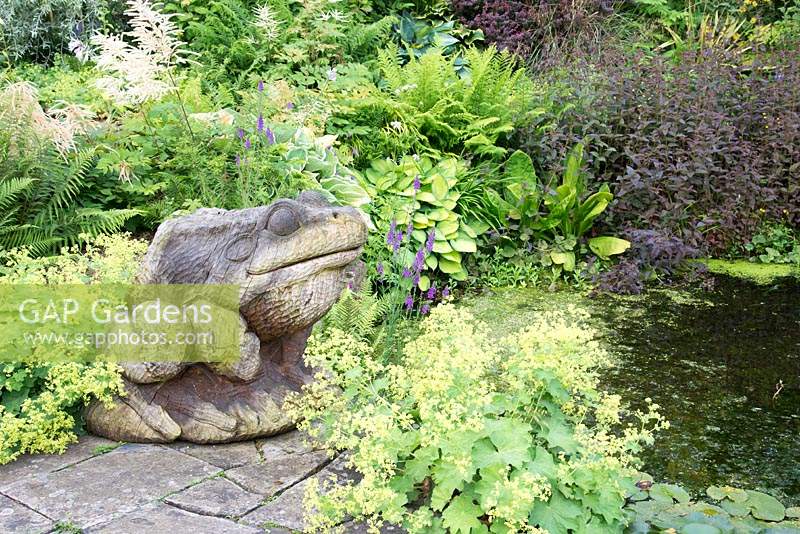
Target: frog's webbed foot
{"points": [[133, 417], [248, 365]]}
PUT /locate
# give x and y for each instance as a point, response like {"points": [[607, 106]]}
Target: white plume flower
{"points": [[267, 22], [20, 110], [140, 72]]}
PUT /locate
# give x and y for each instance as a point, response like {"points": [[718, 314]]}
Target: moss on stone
{"points": [[760, 273]]}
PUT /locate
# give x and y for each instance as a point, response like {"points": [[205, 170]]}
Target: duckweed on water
{"points": [[759, 273]]}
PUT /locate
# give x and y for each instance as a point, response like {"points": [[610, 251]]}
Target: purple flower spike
{"points": [[398, 240], [260, 86], [238, 160], [425, 309], [260, 123], [409, 229], [406, 272], [419, 260], [430, 240], [240, 133], [409, 303], [445, 292], [431, 294], [416, 279], [417, 183], [247, 143], [290, 106], [270, 136], [379, 269]]}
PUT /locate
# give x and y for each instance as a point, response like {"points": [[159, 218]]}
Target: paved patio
{"points": [[99, 486]]}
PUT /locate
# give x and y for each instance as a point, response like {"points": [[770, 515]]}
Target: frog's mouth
{"points": [[261, 281]]}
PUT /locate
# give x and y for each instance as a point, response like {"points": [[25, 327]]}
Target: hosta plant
{"points": [[464, 433], [420, 194]]}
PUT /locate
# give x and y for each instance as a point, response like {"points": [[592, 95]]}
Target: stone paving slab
{"points": [[32, 465], [271, 477], [282, 445], [241, 488], [218, 497], [161, 518], [101, 487], [225, 456], [287, 510], [14, 517]]}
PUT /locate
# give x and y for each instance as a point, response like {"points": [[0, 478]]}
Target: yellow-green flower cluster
{"points": [[463, 434], [45, 422]]}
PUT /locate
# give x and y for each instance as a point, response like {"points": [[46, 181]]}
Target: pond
{"points": [[723, 364]]}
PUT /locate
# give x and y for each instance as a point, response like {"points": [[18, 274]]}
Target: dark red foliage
{"points": [[528, 26], [703, 148]]}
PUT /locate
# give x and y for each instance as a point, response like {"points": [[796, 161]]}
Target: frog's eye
{"points": [[283, 221]]}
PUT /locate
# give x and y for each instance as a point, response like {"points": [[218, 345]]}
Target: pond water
{"points": [[725, 367], [723, 364]]}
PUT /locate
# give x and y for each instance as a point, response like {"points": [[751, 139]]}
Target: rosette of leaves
{"points": [[316, 158], [559, 218], [426, 195], [418, 36]]}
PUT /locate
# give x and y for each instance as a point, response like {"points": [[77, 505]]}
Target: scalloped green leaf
{"points": [[764, 506]]}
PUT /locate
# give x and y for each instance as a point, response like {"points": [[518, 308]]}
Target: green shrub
{"points": [[463, 433], [43, 174], [40, 403], [426, 105], [38, 30]]}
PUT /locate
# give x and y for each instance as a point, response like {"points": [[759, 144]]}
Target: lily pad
{"points": [[668, 493], [719, 493], [764, 506]]}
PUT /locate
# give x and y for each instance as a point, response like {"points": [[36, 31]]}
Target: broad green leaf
{"points": [[447, 478], [418, 467], [722, 492], [573, 168], [737, 509], [447, 227], [441, 247], [439, 187], [467, 229], [512, 439], [431, 262], [565, 259], [464, 244], [669, 493], [557, 514], [543, 464], [439, 214], [424, 283], [605, 246], [420, 218], [449, 267], [460, 275], [462, 515], [452, 256], [419, 236], [426, 196], [764, 506], [519, 167]]}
